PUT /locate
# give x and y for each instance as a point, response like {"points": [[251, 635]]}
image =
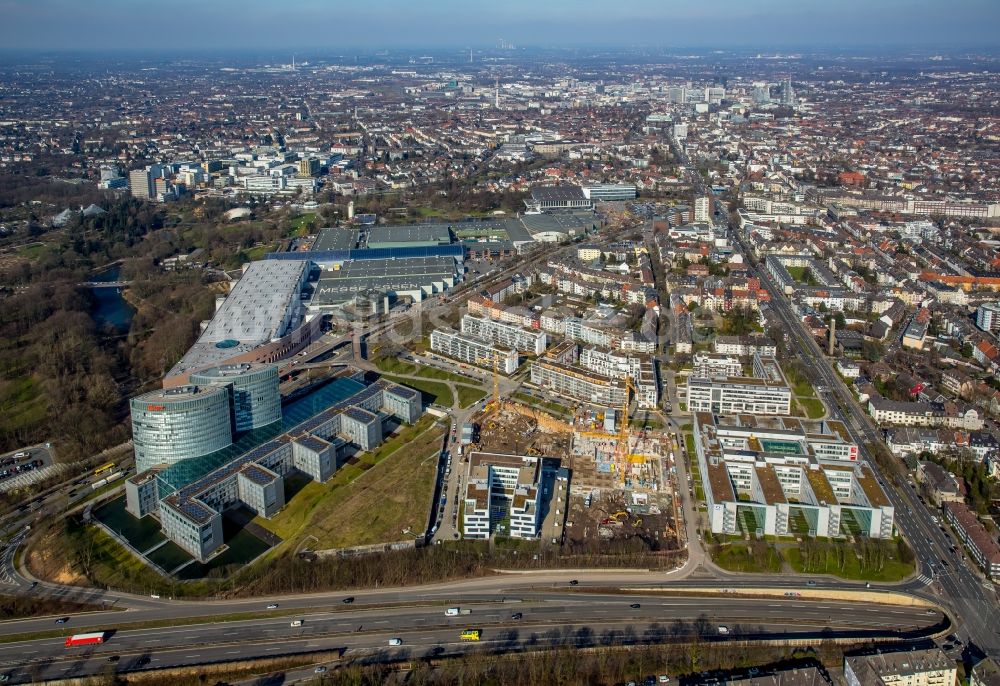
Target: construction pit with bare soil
{"points": [[619, 499]]}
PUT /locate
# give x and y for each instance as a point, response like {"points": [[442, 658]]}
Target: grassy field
{"points": [[554, 408], [370, 501], [699, 492], [740, 558], [33, 251], [21, 404], [113, 565], [804, 388], [394, 365], [254, 254], [893, 570], [813, 407], [468, 395], [299, 225], [433, 391], [651, 422]]}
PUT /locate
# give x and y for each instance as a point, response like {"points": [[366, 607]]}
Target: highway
{"points": [[579, 616]]}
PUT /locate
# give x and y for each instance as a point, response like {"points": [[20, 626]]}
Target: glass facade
{"points": [[179, 423], [253, 389]]}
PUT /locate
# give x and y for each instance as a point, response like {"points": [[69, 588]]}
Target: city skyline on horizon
{"points": [[227, 25]]}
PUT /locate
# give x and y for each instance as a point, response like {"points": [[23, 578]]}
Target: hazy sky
{"points": [[169, 25]]}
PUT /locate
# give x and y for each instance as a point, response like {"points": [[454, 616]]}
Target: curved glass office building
{"points": [[170, 425], [255, 400]]}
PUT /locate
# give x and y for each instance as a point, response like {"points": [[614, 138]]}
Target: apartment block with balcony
{"points": [[530, 341], [473, 350]]}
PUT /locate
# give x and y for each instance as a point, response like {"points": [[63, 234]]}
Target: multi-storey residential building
{"points": [[708, 365], [784, 476], [485, 307], [639, 369], [744, 346], [765, 393], [702, 209], [576, 329], [986, 672], [578, 383], [980, 542], [531, 341], [988, 317], [504, 492], [926, 667], [888, 412], [473, 350]]}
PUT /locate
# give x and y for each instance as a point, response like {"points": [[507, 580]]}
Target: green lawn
{"points": [[242, 547], [893, 570], [699, 491], [739, 558], [651, 423], [802, 275], [804, 388], [554, 408], [298, 226], [813, 407], [22, 405], [396, 366], [433, 391], [371, 501], [468, 395], [33, 251], [143, 533], [256, 254], [169, 556]]}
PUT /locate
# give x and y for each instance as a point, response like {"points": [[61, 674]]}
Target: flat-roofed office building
{"points": [[765, 393]]}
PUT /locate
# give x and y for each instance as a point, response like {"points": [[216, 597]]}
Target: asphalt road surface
{"points": [[959, 585], [556, 617]]}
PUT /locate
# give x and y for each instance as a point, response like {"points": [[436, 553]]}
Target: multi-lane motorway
{"points": [[512, 612]]}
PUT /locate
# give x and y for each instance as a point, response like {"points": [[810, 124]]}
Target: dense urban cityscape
{"points": [[502, 364]]}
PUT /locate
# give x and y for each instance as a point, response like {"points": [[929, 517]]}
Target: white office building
{"points": [[504, 495], [782, 476], [606, 192], [766, 392]]}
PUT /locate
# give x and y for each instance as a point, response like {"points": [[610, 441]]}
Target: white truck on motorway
{"points": [[723, 630], [456, 611], [296, 622]]}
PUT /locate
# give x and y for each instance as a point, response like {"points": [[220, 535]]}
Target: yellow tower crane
{"points": [[622, 449], [495, 402]]}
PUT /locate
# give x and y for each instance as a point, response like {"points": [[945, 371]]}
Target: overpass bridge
{"points": [[104, 284]]}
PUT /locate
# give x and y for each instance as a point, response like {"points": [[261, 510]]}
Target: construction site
{"points": [[622, 483]]}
